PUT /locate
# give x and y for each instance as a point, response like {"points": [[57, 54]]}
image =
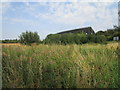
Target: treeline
{"points": [[68, 38], [82, 38], [74, 38], [9, 41], [27, 37], [109, 34]]}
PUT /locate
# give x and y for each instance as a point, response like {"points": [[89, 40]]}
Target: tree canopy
{"points": [[29, 37]]}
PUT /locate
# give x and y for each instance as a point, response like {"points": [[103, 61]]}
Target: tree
{"points": [[10, 41], [100, 33], [29, 37]]}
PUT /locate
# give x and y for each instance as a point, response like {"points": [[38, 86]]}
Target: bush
{"points": [[10, 41], [71, 38], [100, 39], [96, 38], [29, 38]]}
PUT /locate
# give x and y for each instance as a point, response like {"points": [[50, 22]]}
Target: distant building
{"points": [[116, 38], [86, 30], [110, 29]]}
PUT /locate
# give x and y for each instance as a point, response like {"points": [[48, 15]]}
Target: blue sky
{"points": [[53, 17]]}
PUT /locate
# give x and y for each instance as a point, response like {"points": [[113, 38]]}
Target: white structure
{"points": [[116, 38]]}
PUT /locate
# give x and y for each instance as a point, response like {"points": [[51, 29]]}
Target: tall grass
{"points": [[58, 66]]}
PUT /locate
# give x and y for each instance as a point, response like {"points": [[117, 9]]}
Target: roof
{"points": [[87, 30]]}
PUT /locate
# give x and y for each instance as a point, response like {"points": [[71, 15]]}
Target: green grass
{"points": [[58, 66]]}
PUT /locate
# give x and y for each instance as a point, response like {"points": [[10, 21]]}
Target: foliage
{"points": [[109, 34], [10, 41], [29, 37], [96, 38], [60, 66], [71, 38]]}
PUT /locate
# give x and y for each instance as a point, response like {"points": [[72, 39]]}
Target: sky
{"points": [[53, 17]]}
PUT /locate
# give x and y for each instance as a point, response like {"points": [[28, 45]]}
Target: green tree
{"points": [[52, 38], [29, 37], [100, 33]]}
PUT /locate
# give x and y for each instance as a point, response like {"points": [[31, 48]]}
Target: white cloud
{"points": [[77, 14], [59, 0], [97, 14], [80, 13]]}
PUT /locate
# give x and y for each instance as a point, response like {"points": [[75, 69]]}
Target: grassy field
{"points": [[59, 66]]}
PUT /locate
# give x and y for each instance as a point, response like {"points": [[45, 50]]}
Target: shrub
{"points": [[10, 41], [29, 38], [74, 38]]}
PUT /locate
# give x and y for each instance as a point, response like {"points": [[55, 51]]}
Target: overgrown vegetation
{"points": [[59, 66], [109, 34], [69, 38], [81, 38], [29, 38], [74, 38], [9, 41]]}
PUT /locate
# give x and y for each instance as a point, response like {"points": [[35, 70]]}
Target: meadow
{"points": [[60, 66]]}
